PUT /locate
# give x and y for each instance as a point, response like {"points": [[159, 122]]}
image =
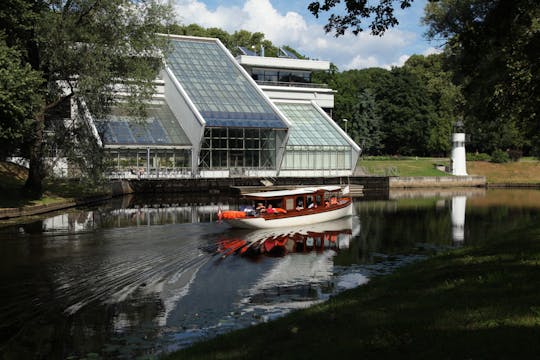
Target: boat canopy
{"points": [[281, 193]]}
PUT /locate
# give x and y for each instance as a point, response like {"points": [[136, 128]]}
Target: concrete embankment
{"points": [[436, 181]]}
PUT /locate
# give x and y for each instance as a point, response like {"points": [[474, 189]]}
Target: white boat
{"points": [[291, 208]]}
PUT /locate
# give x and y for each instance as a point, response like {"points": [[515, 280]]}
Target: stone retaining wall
{"points": [[437, 181]]}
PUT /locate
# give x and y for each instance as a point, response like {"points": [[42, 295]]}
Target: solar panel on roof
{"points": [[288, 54], [247, 52]]}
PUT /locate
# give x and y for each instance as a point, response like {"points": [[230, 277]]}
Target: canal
{"points": [[139, 276]]}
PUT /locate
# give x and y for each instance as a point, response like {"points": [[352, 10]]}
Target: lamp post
{"points": [[345, 121]]}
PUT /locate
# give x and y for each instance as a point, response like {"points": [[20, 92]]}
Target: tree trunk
{"points": [[36, 173]]}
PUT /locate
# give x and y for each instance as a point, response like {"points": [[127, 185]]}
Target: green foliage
{"points": [[493, 48], [407, 111], [381, 15], [19, 99], [81, 49], [499, 156], [478, 157], [366, 127], [445, 96]]}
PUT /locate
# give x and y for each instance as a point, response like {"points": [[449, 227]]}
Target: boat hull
{"points": [[303, 219]]}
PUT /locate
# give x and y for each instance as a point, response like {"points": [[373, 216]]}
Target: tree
{"points": [[381, 15], [366, 123], [19, 99], [407, 113], [492, 45], [445, 96], [84, 49]]}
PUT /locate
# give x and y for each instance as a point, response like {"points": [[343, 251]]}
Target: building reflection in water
{"points": [[133, 210]]}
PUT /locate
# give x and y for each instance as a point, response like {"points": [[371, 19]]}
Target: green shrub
{"points": [[515, 155], [478, 157], [499, 156]]}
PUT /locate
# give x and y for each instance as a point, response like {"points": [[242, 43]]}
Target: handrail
{"points": [[291, 84]]}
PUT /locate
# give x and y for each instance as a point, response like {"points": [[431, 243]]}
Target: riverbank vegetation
{"points": [[481, 302], [55, 190]]}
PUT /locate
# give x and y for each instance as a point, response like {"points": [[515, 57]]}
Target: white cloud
{"points": [[431, 50], [304, 34]]}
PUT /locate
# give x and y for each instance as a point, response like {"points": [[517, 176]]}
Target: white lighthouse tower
{"points": [[458, 165]]}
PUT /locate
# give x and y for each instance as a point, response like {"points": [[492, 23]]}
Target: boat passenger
{"points": [[270, 209], [249, 211], [299, 206], [260, 208]]}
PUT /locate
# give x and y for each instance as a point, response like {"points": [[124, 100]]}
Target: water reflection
{"points": [[139, 276], [458, 218], [335, 235]]}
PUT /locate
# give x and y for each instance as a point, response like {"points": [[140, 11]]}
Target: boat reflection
{"points": [[333, 235]]}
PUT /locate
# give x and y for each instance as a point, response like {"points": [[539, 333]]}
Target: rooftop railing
{"points": [[291, 84]]}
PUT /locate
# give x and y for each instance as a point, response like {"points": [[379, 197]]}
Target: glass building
{"points": [[211, 119], [315, 143]]}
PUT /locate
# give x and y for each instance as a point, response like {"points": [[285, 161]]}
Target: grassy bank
{"points": [[402, 166], [525, 171], [12, 178], [475, 303]]}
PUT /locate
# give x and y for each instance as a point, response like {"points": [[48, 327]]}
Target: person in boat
{"points": [[260, 208], [300, 206], [270, 209], [249, 210]]}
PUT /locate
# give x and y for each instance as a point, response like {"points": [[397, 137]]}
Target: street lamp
{"points": [[345, 121]]}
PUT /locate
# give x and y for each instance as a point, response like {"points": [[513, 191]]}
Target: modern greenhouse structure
{"points": [[211, 119]]}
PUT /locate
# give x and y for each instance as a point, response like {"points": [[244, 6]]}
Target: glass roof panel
{"points": [[309, 127], [221, 92], [159, 128]]}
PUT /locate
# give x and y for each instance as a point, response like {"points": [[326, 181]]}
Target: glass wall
{"points": [[225, 148], [281, 75], [155, 161], [317, 158]]}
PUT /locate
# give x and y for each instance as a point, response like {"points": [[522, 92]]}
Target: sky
{"points": [[288, 22]]}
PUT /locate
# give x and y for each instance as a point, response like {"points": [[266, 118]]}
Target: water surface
{"points": [[139, 276]]}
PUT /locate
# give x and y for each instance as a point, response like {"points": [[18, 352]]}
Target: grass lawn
{"points": [[472, 303], [408, 166]]}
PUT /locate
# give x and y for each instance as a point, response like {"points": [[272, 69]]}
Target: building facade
{"points": [[217, 116]]}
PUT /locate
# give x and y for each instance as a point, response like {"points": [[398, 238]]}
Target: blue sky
{"points": [[290, 23]]}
